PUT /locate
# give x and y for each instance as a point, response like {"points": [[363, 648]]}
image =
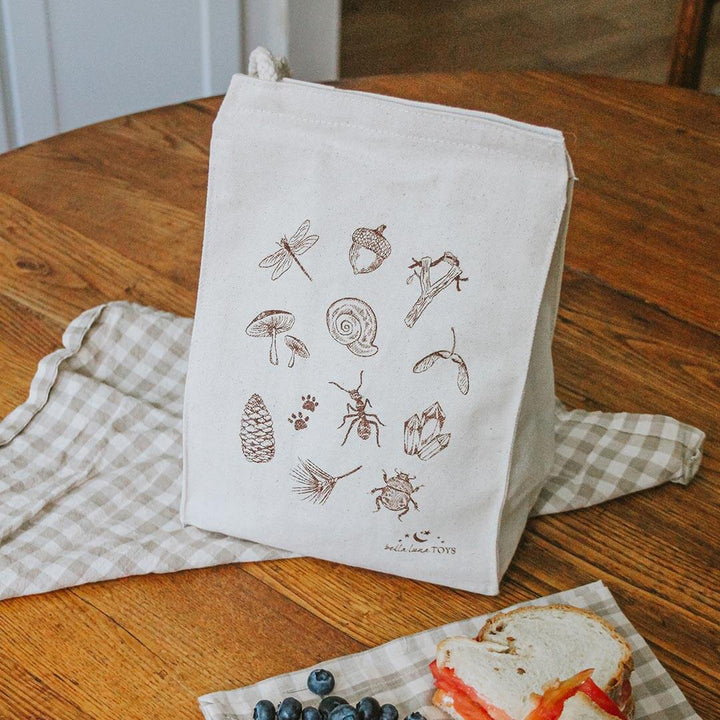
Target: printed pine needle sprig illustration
{"points": [[313, 483]]}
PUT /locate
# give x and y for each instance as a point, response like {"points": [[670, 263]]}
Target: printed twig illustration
{"points": [[269, 324], [282, 259], [365, 421], [423, 436], [313, 483], [297, 349], [352, 323], [428, 289], [397, 493], [372, 243], [256, 431], [463, 377]]}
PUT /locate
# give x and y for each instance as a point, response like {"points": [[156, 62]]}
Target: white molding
{"points": [[4, 129], [314, 39], [265, 22], [28, 74], [307, 32], [225, 49]]}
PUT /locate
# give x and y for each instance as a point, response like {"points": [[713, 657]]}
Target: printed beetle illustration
{"points": [[396, 494], [365, 420]]}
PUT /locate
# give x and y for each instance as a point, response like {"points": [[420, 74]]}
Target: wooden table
{"points": [[115, 211]]}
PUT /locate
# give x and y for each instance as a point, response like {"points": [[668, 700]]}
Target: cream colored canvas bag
{"points": [[370, 378]]}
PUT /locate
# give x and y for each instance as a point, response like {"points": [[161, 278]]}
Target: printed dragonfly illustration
{"points": [[281, 260]]}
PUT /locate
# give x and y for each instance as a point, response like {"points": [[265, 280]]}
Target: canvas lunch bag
{"points": [[370, 378]]}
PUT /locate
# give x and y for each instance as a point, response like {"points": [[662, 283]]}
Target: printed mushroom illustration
{"points": [[297, 347], [269, 324]]}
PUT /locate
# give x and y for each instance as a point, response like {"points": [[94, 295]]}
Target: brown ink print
{"points": [[368, 249], [397, 493], [463, 377], [365, 421], [313, 483], [428, 289], [299, 421], [256, 431], [309, 403], [271, 323], [281, 260], [352, 322], [422, 433], [297, 349]]}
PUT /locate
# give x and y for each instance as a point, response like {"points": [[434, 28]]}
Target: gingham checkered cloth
{"points": [[90, 465], [397, 672]]}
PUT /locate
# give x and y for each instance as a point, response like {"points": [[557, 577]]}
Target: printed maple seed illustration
{"points": [[281, 260], [271, 323], [397, 493], [256, 431], [313, 483], [428, 289], [352, 322], [368, 249], [365, 421], [422, 433], [309, 403], [299, 421], [463, 377]]}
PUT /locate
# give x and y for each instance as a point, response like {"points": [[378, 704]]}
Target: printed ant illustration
{"points": [[365, 420]]}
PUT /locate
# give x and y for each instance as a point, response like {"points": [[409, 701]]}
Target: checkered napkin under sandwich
{"points": [[397, 672], [90, 465]]}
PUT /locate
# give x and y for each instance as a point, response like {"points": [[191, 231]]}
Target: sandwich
{"points": [[536, 663]]}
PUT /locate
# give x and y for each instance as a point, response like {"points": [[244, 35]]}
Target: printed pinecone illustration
{"points": [[256, 431]]}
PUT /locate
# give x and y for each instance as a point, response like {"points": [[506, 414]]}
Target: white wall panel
{"points": [[114, 57], [67, 63], [28, 82]]}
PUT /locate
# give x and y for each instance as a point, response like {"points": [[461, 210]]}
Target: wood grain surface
{"points": [[115, 212]]}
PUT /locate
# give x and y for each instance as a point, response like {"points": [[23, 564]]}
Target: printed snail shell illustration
{"points": [[352, 323], [256, 431], [376, 246]]}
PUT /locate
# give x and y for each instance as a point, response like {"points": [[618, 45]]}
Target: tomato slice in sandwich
{"points": [[550, 705], [465, 701], [600, 698], [471, 706]]}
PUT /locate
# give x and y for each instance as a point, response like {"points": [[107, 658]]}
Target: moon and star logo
{"points": [[421, 541]]}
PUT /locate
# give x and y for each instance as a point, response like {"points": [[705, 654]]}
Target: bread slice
{"points": [[517, 655], [581, 707]]}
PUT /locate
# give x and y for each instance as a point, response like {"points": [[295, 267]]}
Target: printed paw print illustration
{"points": [[299, 421], [309, 403]]}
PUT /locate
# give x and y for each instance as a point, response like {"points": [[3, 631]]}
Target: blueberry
{"points": [[388, 712], [289, 709], [415, 716], [344, 712], [321, 682], [310, 713], [264, 710], [368, 709], [329, 703]]}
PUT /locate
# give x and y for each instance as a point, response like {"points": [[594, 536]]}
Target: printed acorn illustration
{"points": [[256, 431], [374, 243]]}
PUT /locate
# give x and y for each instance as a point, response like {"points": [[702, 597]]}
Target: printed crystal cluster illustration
{"points": [[423, 433]]}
